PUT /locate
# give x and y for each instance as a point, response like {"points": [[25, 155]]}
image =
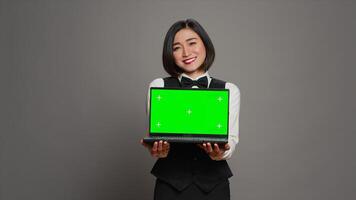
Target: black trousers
{"points": [[164, 191]]}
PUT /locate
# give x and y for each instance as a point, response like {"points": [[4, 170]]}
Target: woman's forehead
{"points": [[185, 34]]}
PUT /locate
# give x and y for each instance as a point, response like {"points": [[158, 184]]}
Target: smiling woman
{"points": [[193, 171], [187, 46], [189, 52]]}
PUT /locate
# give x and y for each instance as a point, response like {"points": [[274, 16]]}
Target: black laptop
{"points": [[188, 115]]}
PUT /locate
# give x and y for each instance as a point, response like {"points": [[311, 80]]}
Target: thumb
{"points": [[227, 146], [143, 143]]}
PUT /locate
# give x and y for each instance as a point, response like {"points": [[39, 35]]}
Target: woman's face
{"points": [[189, 52]]}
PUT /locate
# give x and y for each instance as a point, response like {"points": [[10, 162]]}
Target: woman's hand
{"points": [[216, 152], [158, 149]]}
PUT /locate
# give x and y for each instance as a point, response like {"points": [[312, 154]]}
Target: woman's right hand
{"points": [[158, 149]]}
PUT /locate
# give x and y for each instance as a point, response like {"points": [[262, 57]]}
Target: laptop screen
{"points": [[177, 111]]}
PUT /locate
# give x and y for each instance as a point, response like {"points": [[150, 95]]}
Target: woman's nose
{"points": [[186, 51]]}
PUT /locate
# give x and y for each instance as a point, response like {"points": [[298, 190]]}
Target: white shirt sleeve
{"points": [[234, 110]]}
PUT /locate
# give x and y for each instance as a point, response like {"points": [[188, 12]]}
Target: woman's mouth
{"points": [[189, 60]]}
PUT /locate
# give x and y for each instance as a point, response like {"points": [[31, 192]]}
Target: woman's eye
{"points": [[175, 48], [192, 43]]}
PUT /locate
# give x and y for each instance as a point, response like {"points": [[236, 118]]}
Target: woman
{"points": [[190, 171]]}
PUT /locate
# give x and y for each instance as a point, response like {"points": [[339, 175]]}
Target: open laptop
{"points": [[188, 115]]}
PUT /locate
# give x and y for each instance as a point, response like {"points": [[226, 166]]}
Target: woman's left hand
{"points": [[215, 152]]}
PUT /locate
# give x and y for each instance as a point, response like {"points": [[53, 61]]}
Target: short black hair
{"points": [[167, 56]]}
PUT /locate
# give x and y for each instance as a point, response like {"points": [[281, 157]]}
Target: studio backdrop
{"points": [[75, 75]]}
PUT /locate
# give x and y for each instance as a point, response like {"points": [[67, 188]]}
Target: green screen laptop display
{"points": [[189, 111]]}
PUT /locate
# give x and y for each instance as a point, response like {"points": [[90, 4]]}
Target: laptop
{"points": [[188, 115]]}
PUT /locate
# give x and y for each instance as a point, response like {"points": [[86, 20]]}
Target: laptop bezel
{"points": [[211, 135]]}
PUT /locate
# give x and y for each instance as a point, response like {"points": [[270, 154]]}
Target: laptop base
{"points": [[172, 139]]}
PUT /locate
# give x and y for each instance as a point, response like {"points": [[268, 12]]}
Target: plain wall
{"points": [[74, 78]]}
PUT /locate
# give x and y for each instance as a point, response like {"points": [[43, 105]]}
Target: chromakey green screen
{"points": [[189, 111]]}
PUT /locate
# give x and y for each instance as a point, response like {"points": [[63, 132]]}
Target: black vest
{"points": [[187, 163]]}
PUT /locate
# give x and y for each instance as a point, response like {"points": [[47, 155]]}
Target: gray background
{"points": [[74, 77]]}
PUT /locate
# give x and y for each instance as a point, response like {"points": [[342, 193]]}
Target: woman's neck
{"points": [[195, 74]]}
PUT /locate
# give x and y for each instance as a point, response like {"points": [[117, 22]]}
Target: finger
{"points": [[164, 148], [216, 148], [205, 146], [208, 146], [160, 146], [144, 144], [154, 152], [154, 148], [166, 145]]}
